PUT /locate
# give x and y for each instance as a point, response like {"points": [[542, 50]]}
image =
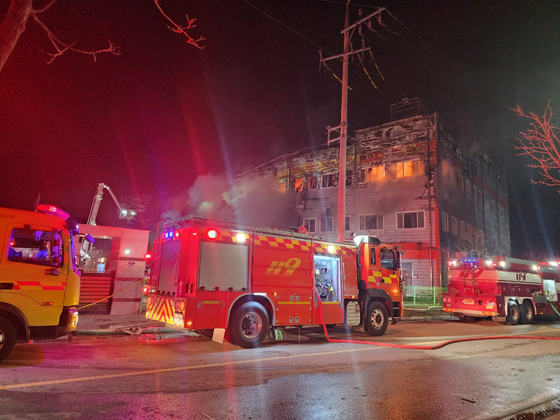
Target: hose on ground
{"points": [[417, 347]]}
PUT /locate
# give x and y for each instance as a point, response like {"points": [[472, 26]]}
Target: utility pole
{"points": [[342, 128]]}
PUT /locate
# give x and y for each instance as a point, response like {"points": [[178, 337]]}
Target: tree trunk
{"points": [[12, 27]]}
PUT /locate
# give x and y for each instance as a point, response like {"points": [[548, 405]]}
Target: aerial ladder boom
{"points": [[97, 201]]}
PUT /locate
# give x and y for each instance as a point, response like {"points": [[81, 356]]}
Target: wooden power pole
{"points": [[342, 128]]}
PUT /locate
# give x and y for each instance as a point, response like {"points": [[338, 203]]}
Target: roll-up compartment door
{"points": [[224, 266]]}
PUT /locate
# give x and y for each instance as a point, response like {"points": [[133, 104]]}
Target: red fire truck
{"points": [[209, 275], [507, 289]]}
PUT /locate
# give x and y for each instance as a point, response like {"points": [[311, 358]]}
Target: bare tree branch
{"points": [[542, 145], [183, 29], [62, 47]]}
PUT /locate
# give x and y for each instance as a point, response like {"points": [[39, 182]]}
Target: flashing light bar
{"points": [[55, 211], [172, 234], [470, 260]]}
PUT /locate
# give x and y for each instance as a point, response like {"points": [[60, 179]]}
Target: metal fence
{"points": [[422, 297]]}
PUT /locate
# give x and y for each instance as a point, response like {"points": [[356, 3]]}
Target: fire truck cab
{"points": [[39, 279], [507, 289], [209, 275]]}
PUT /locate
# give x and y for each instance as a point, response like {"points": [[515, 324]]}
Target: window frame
{"points": [[325, 221], [416, 171], [308, 224], [444, 221], [362, 221], [400, 217]]}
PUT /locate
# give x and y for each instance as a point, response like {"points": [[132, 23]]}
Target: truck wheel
{"points": [[528, 313], [249, 325], [377, 319], [206, 333], [8, 338], [513, 314]]}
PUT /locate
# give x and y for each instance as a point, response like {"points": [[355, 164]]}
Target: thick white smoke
{"points": [[255, 202]]}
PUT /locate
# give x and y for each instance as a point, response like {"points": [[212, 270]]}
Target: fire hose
{"points": [[417, 347]]}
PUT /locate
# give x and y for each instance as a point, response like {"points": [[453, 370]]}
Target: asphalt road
{"points": [[302, 377]]}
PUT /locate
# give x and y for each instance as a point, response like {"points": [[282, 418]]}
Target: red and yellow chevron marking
{"points": [[230, 236], [37, 285], [338, 250], [163, 311], [375, 276], [277, 242]]}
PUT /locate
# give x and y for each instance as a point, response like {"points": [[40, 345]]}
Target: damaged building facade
{"points": [[408, 183]]}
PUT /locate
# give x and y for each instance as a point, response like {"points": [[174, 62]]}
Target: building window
{"points": [[329, 180], [347, 223], [410, 220], [501, 211], [327, 224], [312, 183], [309, 225], [375, 173], [298, 184], [492, 207], [467, 187], [478, 196], [507, 231], [461, 229], [371, 221], [444, 221], [453, 225], [349, 178], [410, 168], [459, 180]]}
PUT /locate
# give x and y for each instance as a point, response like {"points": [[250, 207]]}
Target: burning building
{"points": [[408, 182]]}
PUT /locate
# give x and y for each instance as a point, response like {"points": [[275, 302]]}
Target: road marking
{"points": [[240, 362]]}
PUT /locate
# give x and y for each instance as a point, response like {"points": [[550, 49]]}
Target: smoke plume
{"points": [[255, 202]]}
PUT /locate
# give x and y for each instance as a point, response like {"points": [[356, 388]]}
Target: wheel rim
{"points": [[514, 313], [1, 338], [528, 312], [377, 318], [251, 325]]}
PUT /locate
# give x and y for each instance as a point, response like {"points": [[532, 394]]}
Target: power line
{"points": [[531, 205]]}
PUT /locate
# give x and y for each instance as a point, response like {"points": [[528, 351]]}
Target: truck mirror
{"points": [[89, 238]]}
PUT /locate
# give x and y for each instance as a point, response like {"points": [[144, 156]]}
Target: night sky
{"points": [[150, 121]]}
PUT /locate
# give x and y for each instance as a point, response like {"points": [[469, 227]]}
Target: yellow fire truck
{"points": [[209, 275], [39, 279]]}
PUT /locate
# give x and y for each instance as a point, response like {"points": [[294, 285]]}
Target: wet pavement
{"points": [[89, 323]]}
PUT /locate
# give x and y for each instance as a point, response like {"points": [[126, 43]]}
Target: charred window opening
{"points": [[298, 184], [371, 221], [329, 180], [410, 168], [309, 225], [312, 183], [375, 173]]}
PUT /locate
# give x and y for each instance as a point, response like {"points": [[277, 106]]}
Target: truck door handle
{"points": [[52, 272], [6, 286]]}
